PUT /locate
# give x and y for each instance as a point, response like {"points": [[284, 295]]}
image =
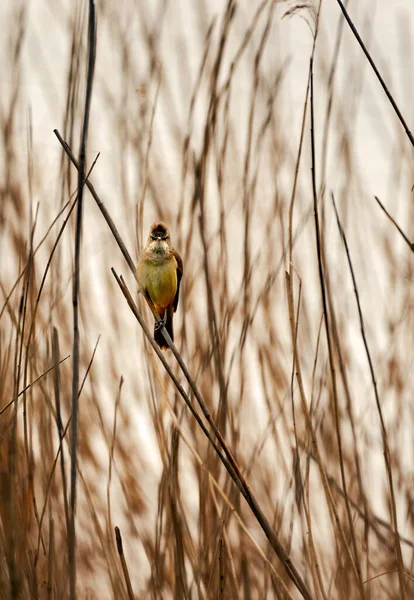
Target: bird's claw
{"points": [[159, 324]]}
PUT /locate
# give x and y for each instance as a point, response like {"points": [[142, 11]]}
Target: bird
{"points": [[159, 273]]}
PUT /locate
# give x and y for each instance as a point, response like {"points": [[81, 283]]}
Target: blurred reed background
{"points": [[197, 113]]}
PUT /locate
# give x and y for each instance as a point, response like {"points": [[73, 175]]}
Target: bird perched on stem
{"points": [[159, 274]]}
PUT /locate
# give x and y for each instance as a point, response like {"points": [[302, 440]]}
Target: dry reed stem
{"points": [[239, 479], [125, 571], [377, 73], [387, 455], [228, 461], [75, 300], [244, 73], [355, 558], [394, 222]]}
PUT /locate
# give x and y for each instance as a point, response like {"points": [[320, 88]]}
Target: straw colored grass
{"points": [[268, 453]]}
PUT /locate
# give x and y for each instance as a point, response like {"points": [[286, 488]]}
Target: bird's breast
{"points": [[159, 278]]}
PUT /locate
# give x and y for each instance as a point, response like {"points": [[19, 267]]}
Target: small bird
{"points": [[159, 274]]}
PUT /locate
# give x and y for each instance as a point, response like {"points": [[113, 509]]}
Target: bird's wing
{"points": [[179, 276]]}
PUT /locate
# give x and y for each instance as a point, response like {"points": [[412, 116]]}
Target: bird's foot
{"points": [[161, 323]]}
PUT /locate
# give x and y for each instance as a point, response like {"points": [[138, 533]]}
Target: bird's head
{"points": [[159, 237]]}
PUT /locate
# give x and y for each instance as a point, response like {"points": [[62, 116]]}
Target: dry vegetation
{"points": [[202, 131]]}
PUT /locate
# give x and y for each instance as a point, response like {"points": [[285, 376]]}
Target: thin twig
{"points": [[377, 73], [230, 463], [60, 449], [111, 454], [56, 384], [75, 298], [394, 222], [387, 573], [32, 383], [51, 559], [140, 233], [228, 460], [214, 485], [22, 272], [221, 568], [387, 456], [371, 519], [120, 549], [355, 558], [160, 355], [99, 202]]}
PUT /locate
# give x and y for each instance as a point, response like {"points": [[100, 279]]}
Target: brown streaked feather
{"points": [[179, 276]]}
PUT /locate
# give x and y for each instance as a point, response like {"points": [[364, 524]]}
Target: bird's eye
{"points": [[159, 237]]}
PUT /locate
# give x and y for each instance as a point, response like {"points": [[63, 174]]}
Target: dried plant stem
{"points": [[214, 485], [294, 324], [228, 460], [32, 383], [49, 229], [394, 222], [59, 422], [377, 73], [100, 204], [387, 456], [230, 464], [75, 299], [62, 436], [370, 519], [329, 344], [221, 557], [140, 231], [220, 149], [315, 445], [111, 455], [51, 559], [120, 549]]}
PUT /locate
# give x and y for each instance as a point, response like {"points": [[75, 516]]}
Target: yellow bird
{"points": [[159, 274]]}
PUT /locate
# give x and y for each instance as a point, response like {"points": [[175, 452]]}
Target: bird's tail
{"points": [[158, 337]]}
